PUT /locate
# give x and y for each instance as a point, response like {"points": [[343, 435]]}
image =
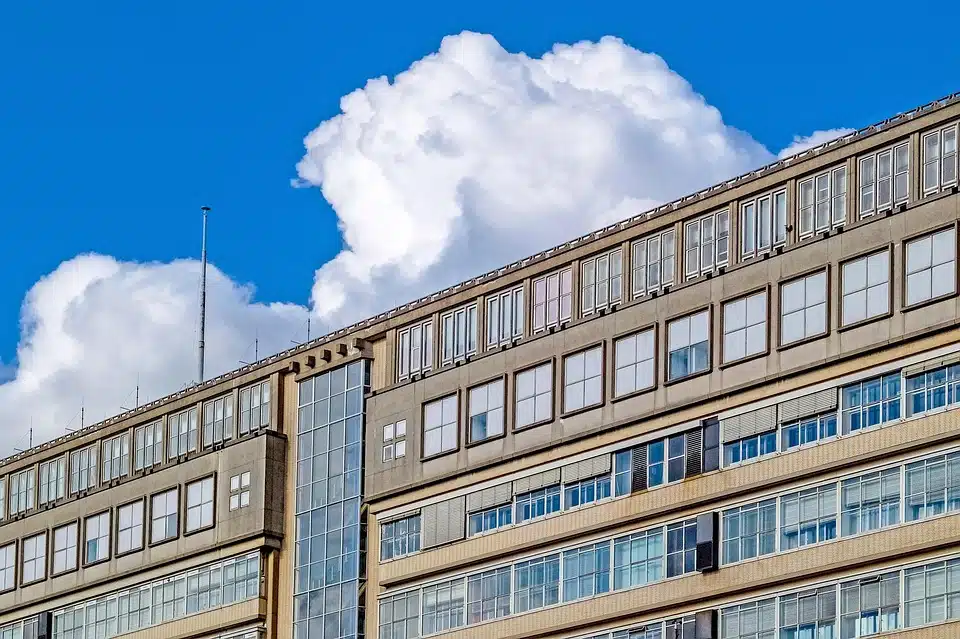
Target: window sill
{"points": [[585, 409], [526, 427], [632, 394], [480, 442], [678, 380], [746, 358], [864, 322], [918, 305], [439, 455], [805, 340]]}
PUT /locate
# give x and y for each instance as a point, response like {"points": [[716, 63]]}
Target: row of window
{"points": [[110, 459]]}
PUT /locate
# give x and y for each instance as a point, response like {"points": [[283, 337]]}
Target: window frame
{"points": [[76, 548], [517, 297], [743, 297], [227, 423], [716, 263], [941, 185], [547, 302], [456, 395], [452, 317], [242, 489], [612, 255], [552, 362], [176, 435], [614, 367], [155, 427], [407, 536], [660, 237], [602, 347], [906, 242], [393, 442], [754, 201], [873, 157], [44, 486], [827, 288], [151, 542], [14, 568], [26, 493], [109, 541], [117, 553], [668, 381], [832, 199], [503, 409], [260, 389], [122, 438], [199, 481], [865, 255], [425, 347], [93, 451], [22, 558]]}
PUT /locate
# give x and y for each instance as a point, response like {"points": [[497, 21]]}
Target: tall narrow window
{"points": [[583, 379], [534, 395], [22, 490], [803, 308], [939, 159], [666, 460], [688, 344], [552, 299], [706, 243], [115, 457], [148, 446], [458, 334], [823, 201], [681, 548], [601, 281], [217, 420], [884, 179], [83, 469], [200, 504], [130, 527], [64, 549], [486, 410], [254, 408], [164, 516], [96, 538], [53, 480], [8, 567], [745, 327], [33, 567], [865, 284], [505, 317], [763, 223], [414, 349], [3, 497], [931, 266], [654, 262], [181, 433], [634, 361], [440, 426]]}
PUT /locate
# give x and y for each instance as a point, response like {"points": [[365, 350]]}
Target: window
{"points": [[808, 430], [537, 503], [623, 472], [931, 267], [490, 519], [706, 243], [931, 593], [182, 433], [64, 549], [147, 446], [505, 317], [8, 562], [666, 460], [870, 403], [486, 410], [870, 606], [440, 426], [932, 390], [458, 334], [164, 515], [130, 527], [870, 502], [22, 487], [116, 457], [939, 159], [688, 341], [415, 349], [884, 179], [400, 616], [749, 531], [638, 559], [551, 299], [3, 497], [488, 595], [83, 469], [809, 614], [932, 487], [823, 202], [395, 441], [200, 504], [808, 517], [537, 583], [240, 491], [400, 537], [534, 395], [53, 480], [803, 308], [601, 281], [745, 327], [763, 223], [866, 288], [681, 548], [217, 420], [34, 563], [634, 363], [755, 620], [254, 408], [654, 262], [749, 448], [583, 379], [443, 606], [586, 571], [586, 491], [96, 538]]}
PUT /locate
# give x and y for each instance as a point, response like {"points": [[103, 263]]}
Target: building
{"points": [[729, 418]]}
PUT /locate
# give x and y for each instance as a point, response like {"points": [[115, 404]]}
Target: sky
{"points": [[358, 156]]}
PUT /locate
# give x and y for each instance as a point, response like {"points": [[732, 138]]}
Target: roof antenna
{"points": [[203, 290]]}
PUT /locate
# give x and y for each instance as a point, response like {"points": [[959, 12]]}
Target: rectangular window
{"points": [[8, 564], [83, 469], [181, 433], [400, 616], [745, 327], [586, 571], [933, 390], [130, 527], [601, 281], [254, 408], [807, 430], [488, 595], [654, 262], [870, 403], [414, 349], [552, 299], [803, 308], [932, 487], [623, 472], [399, 538], [749, 448], [148, 446], [53, 480], [931, 593], [96, 538], [870, 502], [534, 390], [537, 503], [583, 379], [586, 491], [240, 491], [763, 223], [749, 531], [64, 549], [931, 267], [884, 179], [634, 363], [754, 620], [217, 420], [394, 441], [638, 559], [458, 334], [808, 517], [164, 516], [706, 243], [666, 460], [537, 583], [22, 490], [443, 606], [200, 504], [116, 457], [681, 548], [490, 519], [3, 497], [870, 606], [440, 426], [812, 613], [688, 343], [505, 317], [486, 410], [939, 159], [866, 288], [34, 559], [823, 202]]}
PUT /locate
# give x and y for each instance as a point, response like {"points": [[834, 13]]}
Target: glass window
{"points": [[458, 334], [254, 408], [537, 503], [749, 448], [870, 403], [34, 564], [586, 571], [552, 299], [654, 262], [490, 519], [634, 362], [749, 531], [932, 487], [870, 606], [200, 504], [22, 490], [96, 538], [870, 502], [933, 390], [666, 460], [931, 266], [823, 201], [217, 420], [240, 491], [755, 620], [808, 430], [147, 446], [400, 616], [488, 595], [440, 426], [64, 549], [884, 179], [505, 317], [689, 345], [443, 606], [537, 583], [395, 440], [601, 281], [803, 308], [164, 513], [583, 379], [763, 223], [130, 527], [8, 566], [3, 497], [706, 243], [808, 517], [534, 389], [866, 288], [681, 548], [586, 491], [939, 159], [486, 410], [400, 537], [623, 472], [181, 433], [811, 614], [414, 349], [83, 469], [116, 457], [745, 327], [931, 593], [638, 559], [53, 481]]}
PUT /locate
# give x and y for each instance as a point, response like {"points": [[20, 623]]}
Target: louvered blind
{"points": [[599, 465], [762, 420], [533, 482], [807, 405], [694, 452], [490, 497], [638, 469], [443, 522]]}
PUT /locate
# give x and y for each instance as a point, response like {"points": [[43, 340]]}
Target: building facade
{"points": [[731, 417]]}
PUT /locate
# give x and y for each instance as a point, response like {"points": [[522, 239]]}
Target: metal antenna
{"points": [[203, 290]]}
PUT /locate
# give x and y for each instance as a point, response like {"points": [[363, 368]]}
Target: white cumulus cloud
{"points": [[804, 142]]}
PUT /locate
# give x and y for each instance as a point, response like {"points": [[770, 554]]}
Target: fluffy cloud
{"points": [[804, 142]]}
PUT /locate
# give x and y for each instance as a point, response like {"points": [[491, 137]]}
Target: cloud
{"points": [[802, 143]]}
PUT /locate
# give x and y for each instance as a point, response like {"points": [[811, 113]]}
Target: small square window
{"points": [[400, 450], [401, 428], [388, 452], [388, 432], [239, 491]]}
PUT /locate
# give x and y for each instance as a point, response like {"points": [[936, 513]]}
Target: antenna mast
{"points": [[203, 290]]}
